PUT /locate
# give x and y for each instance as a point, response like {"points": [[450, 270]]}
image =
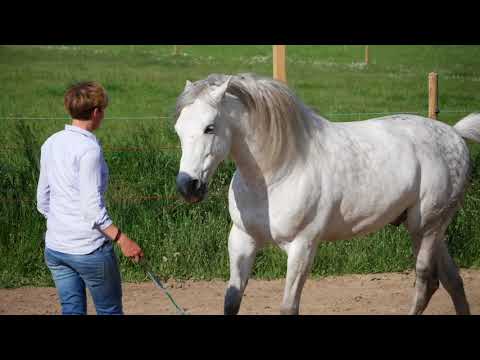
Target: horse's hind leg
{"points": [[242, 249], [426, 282], [451, 280], [300, 259], [434, 263]]}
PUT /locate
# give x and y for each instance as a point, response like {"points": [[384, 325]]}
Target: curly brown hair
{"points": [[82, 98]]}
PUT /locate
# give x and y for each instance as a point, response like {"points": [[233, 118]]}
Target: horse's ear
{"points": [[218, 94], [188, 85]]}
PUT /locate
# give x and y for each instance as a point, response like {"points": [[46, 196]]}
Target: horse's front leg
{"points": [[242, 249], [301, 254]]}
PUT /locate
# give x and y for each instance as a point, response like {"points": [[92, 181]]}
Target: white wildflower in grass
{"points": [[357, 65]]}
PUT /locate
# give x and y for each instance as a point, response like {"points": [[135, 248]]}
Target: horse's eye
{"points": [[210, 129]]}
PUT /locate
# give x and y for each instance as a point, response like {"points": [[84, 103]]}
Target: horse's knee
{"points": [[425, 269], [233, 298]]}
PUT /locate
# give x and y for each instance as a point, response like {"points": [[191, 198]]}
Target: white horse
{"points": [[301, 179]]}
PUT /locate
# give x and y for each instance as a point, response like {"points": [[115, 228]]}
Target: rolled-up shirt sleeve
{"points": [[92, 204], [43, 188]]}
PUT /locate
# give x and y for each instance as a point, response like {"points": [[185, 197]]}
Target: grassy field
{"points": [[184, 241]]}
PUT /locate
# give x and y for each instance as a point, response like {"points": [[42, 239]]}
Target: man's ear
{"points": [[95, 113]]}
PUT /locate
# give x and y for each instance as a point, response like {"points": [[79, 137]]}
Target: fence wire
{"points": [[171, 116], [358, 115], [140, 149], [155, 117]]}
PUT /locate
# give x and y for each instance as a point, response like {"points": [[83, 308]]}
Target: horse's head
{"points": [[205, 139]]}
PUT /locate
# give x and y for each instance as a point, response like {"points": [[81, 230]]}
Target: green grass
{"points": [[185, 241]]}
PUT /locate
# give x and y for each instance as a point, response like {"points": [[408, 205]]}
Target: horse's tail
{"points": [[469, 127]]}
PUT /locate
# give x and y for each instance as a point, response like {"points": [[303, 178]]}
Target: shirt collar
{"points": [[81, 131]]}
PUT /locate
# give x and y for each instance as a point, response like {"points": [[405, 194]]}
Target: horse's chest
{"points": [[276, 216]]}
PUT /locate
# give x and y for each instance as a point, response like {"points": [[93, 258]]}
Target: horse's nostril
{"points": [[191, 189], [195, 184]]}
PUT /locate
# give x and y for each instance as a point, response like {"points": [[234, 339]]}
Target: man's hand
{"points": [[130, 248]]}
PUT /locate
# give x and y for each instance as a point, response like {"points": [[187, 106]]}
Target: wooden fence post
{"points": [[433, 96], [366, 55], [279, 63]]}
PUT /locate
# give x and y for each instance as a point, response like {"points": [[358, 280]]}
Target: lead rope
{"points": [[158, 283]]}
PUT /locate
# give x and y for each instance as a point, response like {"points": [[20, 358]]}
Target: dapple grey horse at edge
{"points": [[301, 179]]}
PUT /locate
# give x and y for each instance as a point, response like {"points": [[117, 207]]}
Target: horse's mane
{"points": [[280, 120]]}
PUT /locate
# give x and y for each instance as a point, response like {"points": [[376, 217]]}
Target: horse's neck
{"points": [[247, 152], [244, 150], [248, 162], [251, 162]]}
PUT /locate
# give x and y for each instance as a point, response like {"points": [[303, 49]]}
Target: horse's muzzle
{"points": [[192, 190]]}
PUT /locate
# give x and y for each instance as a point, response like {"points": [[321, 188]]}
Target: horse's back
{"points": [[431, 140]]}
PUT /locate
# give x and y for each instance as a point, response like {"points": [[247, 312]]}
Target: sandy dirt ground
{"points": [[376, 294]]}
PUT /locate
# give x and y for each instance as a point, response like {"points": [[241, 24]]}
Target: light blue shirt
{"points": [[70, 194]]}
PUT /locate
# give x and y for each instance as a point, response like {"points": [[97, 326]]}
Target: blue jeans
{"points": [[98, 271]]}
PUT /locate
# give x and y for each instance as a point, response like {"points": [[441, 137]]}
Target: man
{"points": [[70, 194]]}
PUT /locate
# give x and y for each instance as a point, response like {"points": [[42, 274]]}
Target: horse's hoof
{"points": [[233, 298]]}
